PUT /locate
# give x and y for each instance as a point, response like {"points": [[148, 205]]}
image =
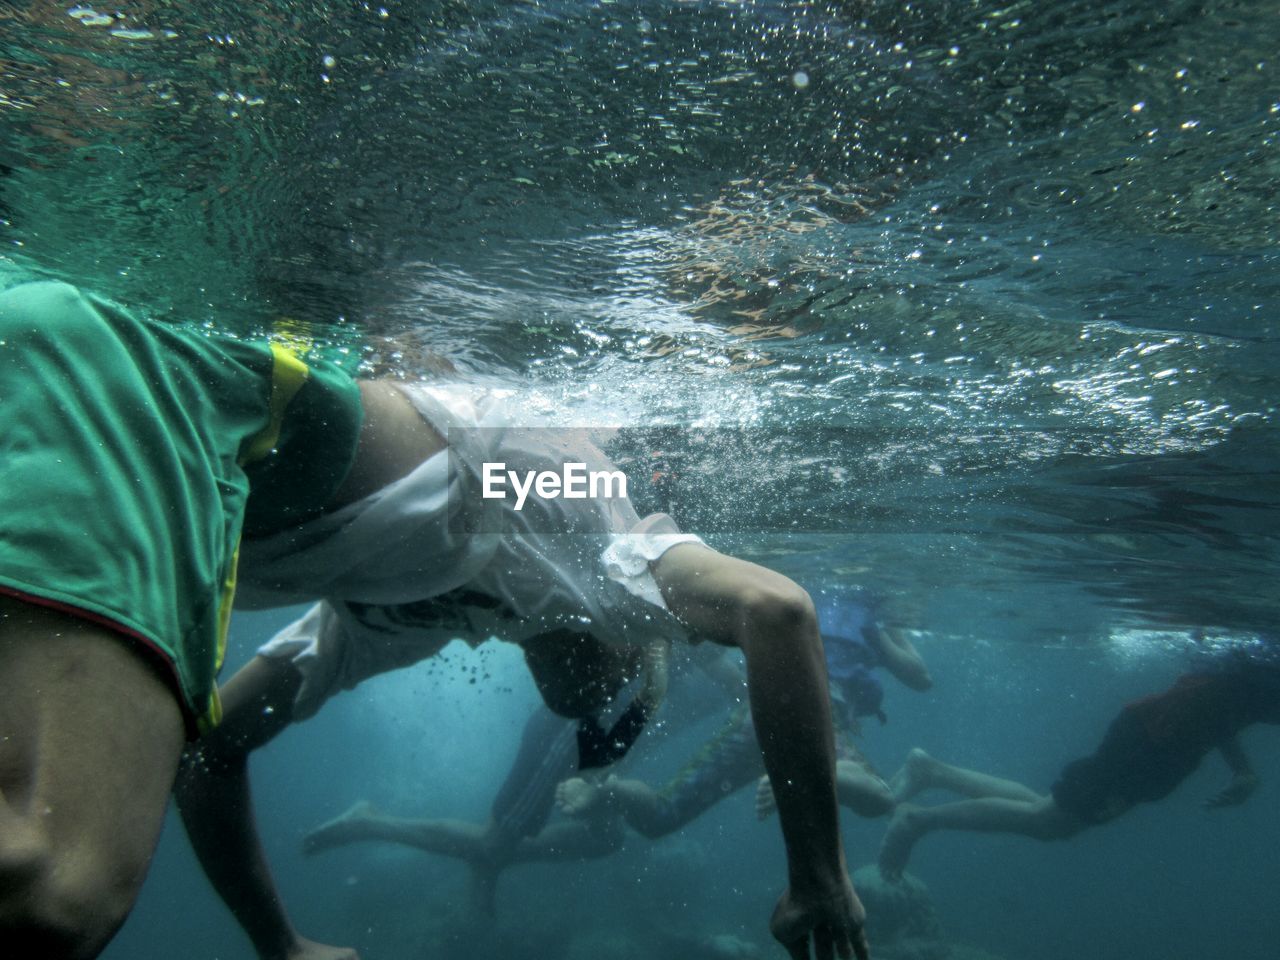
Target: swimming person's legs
{"points": [[996, 806], [364, 823], [861, 789], [727, 762], [858, 786], [723, 765], [923, 772], [1041, 819], [90, 734]]}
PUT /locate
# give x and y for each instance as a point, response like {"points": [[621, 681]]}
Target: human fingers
{"points": [[823, 944], [799, 949], [861, 949]]}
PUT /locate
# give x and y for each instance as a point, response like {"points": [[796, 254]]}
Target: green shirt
{"points": [[126, 462]]}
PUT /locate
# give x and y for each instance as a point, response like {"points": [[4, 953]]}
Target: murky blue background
{"points": [[1022, 255]]}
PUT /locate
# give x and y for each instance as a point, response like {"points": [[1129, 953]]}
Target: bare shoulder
{"points": [[394, 440]]}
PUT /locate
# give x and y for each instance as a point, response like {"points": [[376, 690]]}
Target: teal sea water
{"points": [[991, 287]]}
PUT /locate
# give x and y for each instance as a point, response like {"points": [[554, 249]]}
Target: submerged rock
{"points": [[897, 911]]}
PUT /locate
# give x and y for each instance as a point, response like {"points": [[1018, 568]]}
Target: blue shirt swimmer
{"points": [[849, 640]]}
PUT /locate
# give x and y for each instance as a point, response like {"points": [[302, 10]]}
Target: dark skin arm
{"points": [[213, 787], [772, 621], [213, 797]]}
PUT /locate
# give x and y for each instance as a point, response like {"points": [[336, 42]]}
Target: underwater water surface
{"points": [[990, 289]]}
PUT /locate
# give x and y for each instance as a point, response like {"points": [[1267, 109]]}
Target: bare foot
{"points": [[913, 777], [895, 849], [344, 828], [575, 797]]}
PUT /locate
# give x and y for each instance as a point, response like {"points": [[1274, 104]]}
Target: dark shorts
{"points": [[1128, 768]]}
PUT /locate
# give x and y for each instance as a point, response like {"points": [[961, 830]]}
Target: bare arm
{"points": [[394, 440], [213, 786], [773, 622], [213, 797], [901, 658]]}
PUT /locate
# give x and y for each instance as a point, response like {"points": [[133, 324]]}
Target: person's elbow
{"points": [[777, 607], [917, 677]]}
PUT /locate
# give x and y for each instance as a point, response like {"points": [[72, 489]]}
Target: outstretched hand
{"points": [[832, 921], [1239, 790]]}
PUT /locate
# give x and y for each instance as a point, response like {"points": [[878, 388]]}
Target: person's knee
{"points": [[58, 906], [1054, 823], [879, 803], [862, 792]]}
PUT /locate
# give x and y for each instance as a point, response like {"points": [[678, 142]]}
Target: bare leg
{"points": [[475, 843], [1041, 819], [90, 736], [858, 787], [597, 835], [363, 823], [727, 762], [923, 772], [588, 839], [645, 810], [593, 836], [861, 790]]}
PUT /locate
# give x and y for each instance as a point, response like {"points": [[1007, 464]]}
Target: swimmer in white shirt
{"points": [[592, 605]]}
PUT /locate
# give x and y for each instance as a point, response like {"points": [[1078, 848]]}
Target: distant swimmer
{"points": [[517, 829], [400, 580], [1149, 749], [855, 644]]}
